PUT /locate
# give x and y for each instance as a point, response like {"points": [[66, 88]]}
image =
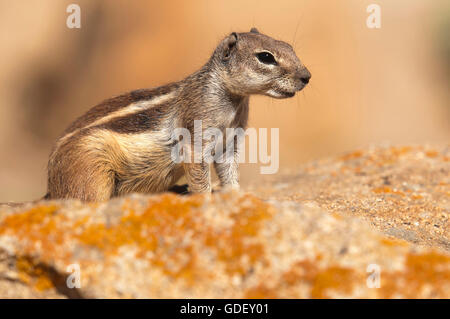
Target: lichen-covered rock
{"points": [[228, 245], [402, 191]]}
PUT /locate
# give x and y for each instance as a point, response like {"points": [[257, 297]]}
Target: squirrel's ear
{"points": [[229, 44], [254, 30]]}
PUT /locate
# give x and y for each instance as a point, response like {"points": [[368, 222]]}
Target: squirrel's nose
{"points": [[304, 76], [305, 79]]}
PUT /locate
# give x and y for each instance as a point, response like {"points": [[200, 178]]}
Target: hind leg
{"points": [[79, 180], [97, 187], [85, 186]]}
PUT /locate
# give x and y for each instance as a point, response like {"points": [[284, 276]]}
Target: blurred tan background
{"points": [[369, 86]]}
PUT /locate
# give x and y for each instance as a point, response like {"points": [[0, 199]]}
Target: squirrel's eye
{"points": [[266, 57]]}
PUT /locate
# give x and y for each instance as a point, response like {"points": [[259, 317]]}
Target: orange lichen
{"points": [[322, 282], [345, 169], [422, 271], [159, 229], [168, 233], [24, 224], [261, 292], [389, 156], [431, 154], [401, 150], [335, 278], [336, 215], [38, 229], [387, 190], [162, 228], [383, 189], [352, 155], [235, 243], [41, 226], [393, 242], [31, 273]]}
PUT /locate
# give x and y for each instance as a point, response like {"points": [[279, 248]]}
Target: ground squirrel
{"points": [[123, 145]]}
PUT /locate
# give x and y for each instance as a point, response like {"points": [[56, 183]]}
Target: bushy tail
{"points": [[13, 204]]}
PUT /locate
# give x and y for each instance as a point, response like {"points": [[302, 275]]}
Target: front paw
{"points": [[227, 188]]}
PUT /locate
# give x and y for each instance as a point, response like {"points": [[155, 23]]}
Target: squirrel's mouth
{"points": [[279, 94], [287, 94]]}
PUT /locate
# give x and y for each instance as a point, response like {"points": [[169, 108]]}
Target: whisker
{"points": [[295, 34]]}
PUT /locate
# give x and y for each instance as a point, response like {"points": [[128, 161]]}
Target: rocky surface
{"points": [[297, 236], [402, 191]]}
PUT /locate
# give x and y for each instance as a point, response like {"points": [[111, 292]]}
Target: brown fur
{"points": [[124, 144]]}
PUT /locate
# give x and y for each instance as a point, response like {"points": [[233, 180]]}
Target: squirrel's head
{"points": [[253, 63]]}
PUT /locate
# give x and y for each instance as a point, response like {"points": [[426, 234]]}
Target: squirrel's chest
{"points": [[236, 116], [240, 116]]}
